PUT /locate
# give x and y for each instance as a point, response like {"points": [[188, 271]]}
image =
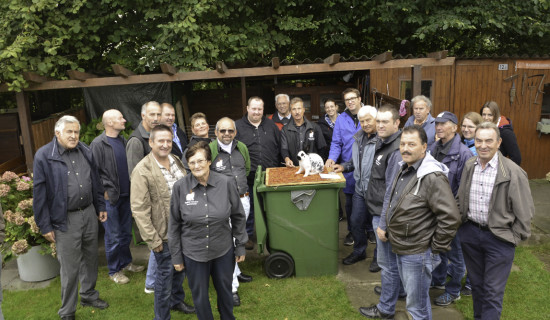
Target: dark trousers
{"points": [[489, 261], [118, 234], [250, 219], [168, 284], [348, 207], [361, 222], [198, 276]]}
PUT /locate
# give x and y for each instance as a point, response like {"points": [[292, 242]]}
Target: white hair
{"points": [[367, 110], [282, 95], [60, 124], [422, 98]]}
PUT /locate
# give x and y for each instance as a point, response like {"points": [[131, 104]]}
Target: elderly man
{"points": [[361, 164], [300, 134], [421, 116], [496, 207], [152, 182], [450, 151], [168, 118], [68, 200], [282, 116], [262, 138], [230, 157], [138, 143], [422, 218], [346, 126], [110, 158]]}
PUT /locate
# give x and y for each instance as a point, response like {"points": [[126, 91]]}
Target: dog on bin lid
{"points": [[310, 163]]}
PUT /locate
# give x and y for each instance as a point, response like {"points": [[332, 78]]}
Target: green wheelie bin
{"points": [[298, 226]]}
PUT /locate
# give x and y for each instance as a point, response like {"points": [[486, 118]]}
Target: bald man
{"points": [[109, 150]]}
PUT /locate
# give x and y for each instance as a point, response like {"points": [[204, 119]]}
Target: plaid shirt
{"points": [[172, 175], [483, 181]]}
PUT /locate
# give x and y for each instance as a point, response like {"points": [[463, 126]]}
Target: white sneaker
{"points": [[149, 290], [133, 268], [119, 278]]}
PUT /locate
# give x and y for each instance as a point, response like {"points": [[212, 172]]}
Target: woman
{"points": [[326, 123], [509, 145], [200, 234], [468, 128]]}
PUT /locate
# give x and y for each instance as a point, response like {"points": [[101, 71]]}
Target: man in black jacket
{"points": [[168, 118]]}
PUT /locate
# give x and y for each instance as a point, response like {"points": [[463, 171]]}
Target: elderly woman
{"points": [[509, 145], [468, 129], [205, 215]]}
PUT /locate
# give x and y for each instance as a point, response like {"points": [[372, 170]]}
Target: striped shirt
{"points": [[172, 175], [483, 181]]}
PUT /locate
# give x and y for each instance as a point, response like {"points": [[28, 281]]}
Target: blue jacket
{"points": [[361, 173], [341, 147], [50, 187], [470, 144], [428, 126], [455, 160]]}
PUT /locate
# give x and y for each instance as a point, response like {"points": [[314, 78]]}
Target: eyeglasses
{"points": [[350, 99], [224, 131], [195, 163]]}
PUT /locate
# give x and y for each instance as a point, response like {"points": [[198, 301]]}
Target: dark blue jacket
{"points": [[50, 187], [454, 160]]}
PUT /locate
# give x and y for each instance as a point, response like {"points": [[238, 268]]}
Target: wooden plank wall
{"points": [[43, 130]]}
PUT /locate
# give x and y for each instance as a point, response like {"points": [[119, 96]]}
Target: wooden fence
{"points": [[43, 130]]}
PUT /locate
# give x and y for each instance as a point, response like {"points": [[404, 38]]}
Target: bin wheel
{"points": [[279, 265]]}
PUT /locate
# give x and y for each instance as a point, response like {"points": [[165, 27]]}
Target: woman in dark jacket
{"points": [[509, 146], [326, 123]]}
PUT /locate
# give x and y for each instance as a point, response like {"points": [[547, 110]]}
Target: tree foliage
{"points": [[50, 37]]}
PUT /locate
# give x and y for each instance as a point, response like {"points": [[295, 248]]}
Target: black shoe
{"points": [[353, 258], [378, 291], [372, 312], [374, 267], [183, 307], [371, 237], [244, 278], [348, 241], [97, 303], [236, 299], [68, 317], [249, 245]]}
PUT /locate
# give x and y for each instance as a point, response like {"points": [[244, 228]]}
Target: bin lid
{"points": [[286, 179]]}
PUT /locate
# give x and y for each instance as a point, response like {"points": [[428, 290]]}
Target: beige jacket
{"points": [[150, 200]]}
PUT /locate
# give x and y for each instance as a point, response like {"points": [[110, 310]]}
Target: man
{"points": [[450, 151], [347, 125], [361, 164], [384, 167], [422, 219], [109, 150], [262, 138], [282, 103], [168, 118], [496, 207], [421, 116], [152, 182], [138, 143], [230, 157], [300, 134], [68, 200]]}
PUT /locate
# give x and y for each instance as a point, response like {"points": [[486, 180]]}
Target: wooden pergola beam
{"points": [[24, 112], [79, 75], [384, 57], [168, 69], [34, 77], [416, 82], [275, 63], [221, 67], [121, 71], [333, 59], [438, 55]]}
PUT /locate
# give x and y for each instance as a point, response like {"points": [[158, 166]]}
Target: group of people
{"points": [[407, 191]]}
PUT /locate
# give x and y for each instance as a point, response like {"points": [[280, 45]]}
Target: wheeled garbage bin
{"points": [[298, 225]]}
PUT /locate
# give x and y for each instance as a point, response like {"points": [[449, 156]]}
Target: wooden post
{"points": [[186, 114], [275, 63], [24, 112], [243, 94], [221, 67], [333, 59], [416, 78]]}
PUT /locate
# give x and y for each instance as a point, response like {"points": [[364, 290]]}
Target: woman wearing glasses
{"points": [[468, 129]]}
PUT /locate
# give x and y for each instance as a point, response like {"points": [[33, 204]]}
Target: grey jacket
{"points": [[104, 158], [361, 173], [511, 208], [137, 147]]}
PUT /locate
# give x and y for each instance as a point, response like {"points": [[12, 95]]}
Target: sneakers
{"points": [[445, 299], [371, 237], [133, 268], [119, 278], [149, 290], [466, 291], [439, 287], [348, 241]]}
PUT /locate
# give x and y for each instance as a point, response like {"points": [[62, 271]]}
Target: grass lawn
{"points": [[263, 298], [527, 293]]}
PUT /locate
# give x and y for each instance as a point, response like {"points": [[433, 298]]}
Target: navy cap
{"points": [[446, 116]]}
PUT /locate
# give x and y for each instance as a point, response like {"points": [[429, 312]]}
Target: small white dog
{"points": [[310, 163]]}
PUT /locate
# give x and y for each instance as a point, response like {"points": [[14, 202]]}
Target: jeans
{"points": [[361, 222], [489, 261], [415, 271], [245, 201], [168, 284], [151, 271], [348, 207], [391, 283], [456, 269], [118, 235]]}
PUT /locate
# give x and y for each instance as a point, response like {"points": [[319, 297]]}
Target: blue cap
{"points": [[446, 116]]}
